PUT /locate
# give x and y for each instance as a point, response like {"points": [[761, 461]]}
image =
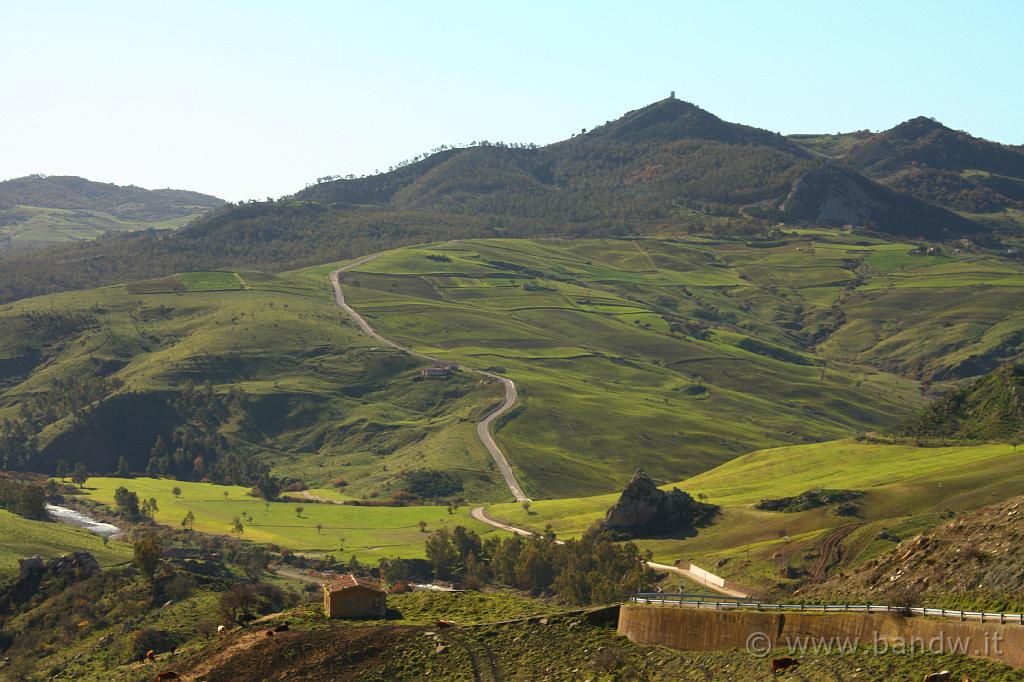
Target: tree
{"points": [[123, 471], [80, 475], [189, 520], [526, 505], [236, 526], [442, 553], [61, 469], [299, 510], [127, 503], [268, 487], [176, 491], [319, 528], [423, 526], [146, 552], [238, 601]]}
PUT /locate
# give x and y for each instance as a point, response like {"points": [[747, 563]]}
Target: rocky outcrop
{"points": [[645, 509], [39, 576]]}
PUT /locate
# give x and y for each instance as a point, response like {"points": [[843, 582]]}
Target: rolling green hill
{"points": [[667, 168], [672, 354], [96, 375], [41, 210], [675, 355]]}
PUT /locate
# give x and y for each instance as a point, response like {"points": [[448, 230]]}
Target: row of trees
{"points": [[590, 570]]}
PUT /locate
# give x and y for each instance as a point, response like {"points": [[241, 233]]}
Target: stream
{"points": [[75, 518]]}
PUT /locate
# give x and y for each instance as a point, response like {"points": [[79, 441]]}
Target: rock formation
{"points": [[644, 509]]}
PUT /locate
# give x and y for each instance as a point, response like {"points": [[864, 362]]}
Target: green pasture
{"points": [[370, 533]]}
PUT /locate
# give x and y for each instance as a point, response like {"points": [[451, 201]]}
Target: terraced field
{"points": [[677, 355]]}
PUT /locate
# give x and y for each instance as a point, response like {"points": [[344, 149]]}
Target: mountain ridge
{"points": [[669, 167]]}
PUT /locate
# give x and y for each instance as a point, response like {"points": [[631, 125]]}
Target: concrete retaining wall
{"points": [[706, 576], [708, 630]]}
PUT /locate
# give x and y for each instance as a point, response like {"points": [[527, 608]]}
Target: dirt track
{"points": [[483, 428]]}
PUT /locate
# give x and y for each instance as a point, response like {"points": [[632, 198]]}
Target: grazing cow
{"points": [[784, 663], [938, 677], [150, 655], [221, 629], [442, 623], [283, 627], [167, 675]]}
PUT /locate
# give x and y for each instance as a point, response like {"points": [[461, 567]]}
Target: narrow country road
{"points": [[483, 428], [480, 515]]}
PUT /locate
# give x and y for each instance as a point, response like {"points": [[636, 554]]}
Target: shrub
{"points": [[148, 639]]}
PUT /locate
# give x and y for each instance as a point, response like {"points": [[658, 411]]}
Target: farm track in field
{"points": [[483, 428]]}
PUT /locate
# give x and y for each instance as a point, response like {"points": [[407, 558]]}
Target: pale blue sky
{"points": [[250, 99]]}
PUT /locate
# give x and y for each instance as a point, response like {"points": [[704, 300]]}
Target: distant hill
{"points": [[669, 167], [37, 210], [934, 163], [992, 408]]}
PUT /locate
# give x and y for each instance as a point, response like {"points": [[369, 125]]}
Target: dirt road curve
{"points": [[483, 428], [480, 515]]}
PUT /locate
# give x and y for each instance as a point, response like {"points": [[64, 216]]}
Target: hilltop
{"points": [[38, 210], [923, 158], [667, 168]]}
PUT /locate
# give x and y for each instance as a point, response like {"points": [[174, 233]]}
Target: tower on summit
{"points": [[672, 95]]}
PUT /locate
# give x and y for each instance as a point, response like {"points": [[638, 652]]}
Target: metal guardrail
{"points": [[729, 603]]}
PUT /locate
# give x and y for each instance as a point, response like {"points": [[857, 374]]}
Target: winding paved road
{"points": [[483, 428]]}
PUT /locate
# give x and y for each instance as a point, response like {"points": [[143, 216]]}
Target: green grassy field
{"points": [[369, 533], [21, 538], [677, 355], [908, 489]]}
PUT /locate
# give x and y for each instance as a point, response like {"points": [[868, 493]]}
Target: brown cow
{"points": [[150, 655], [167, 675], [938, 677], [784, 663], [270, 633], [281, 628], [444, 623]]}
